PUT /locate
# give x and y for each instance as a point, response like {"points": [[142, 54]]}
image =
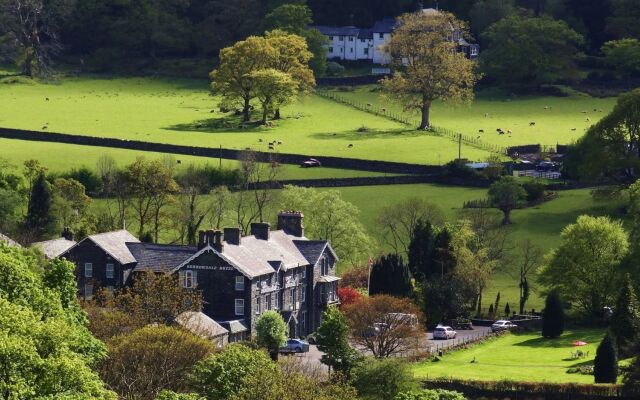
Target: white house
{"points": [[359, 44]]}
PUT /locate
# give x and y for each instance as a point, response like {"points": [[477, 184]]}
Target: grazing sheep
{"points": [[368, 104], [573, 129], [481, 130], [279, 143], [532, 123], [350, 145], [584, 111], [546, 107], [260, 140], [486, 115], [509, 131], [47, 99], [384, 110]]}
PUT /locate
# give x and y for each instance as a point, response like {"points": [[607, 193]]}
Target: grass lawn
{"points": [[541, 224], [552, 126], [183, 112], [521, 357]]}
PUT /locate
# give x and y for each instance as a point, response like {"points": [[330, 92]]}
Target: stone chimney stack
{"points": [[67, 234], [260, 230], [206, 238], [291, 222], [217, 241], [233, 236]]}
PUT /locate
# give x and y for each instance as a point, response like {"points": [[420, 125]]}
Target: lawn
{"points": [[183, 112], [541, 224], [557, 119], [59, 157], [520, 357]]}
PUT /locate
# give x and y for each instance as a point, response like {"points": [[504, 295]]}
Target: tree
{"points": [[529, 264], [632, 377], [390, 275], [169, 395], [271, 332], [330, 217], [150, 185], [70, 204], [525, 51], [257, 180], [399, 221], [553, 316], [506, 194], [382, 379], [485, 13], [431, 394], [605, 365], [332, 338], [273, 89], [232, 80], [624, 56], [193, 207], [40, 221], [430, 252], [584, 267], [34, 26], [428, 65], [625, 321], [222, 375], [384, 325], [621, 22], [151, 359]]}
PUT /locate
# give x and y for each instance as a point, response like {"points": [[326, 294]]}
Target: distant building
{"points": [[54, 248], [239, 276], [358, 44]]}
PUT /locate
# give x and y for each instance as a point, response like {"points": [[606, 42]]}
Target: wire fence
{"points": [[403, 119], [436, 346]]}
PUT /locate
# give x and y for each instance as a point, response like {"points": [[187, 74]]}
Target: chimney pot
{"points": [[67, 234], [291, 222]]}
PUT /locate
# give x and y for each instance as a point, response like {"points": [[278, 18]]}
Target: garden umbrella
{"points": [[578, 343]]}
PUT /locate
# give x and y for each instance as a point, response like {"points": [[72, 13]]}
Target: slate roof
{"points": [[8, 241], [235, 326], [54, 248], [365, 34], [384, 26], [338, 30], [311, 249], [114, 243], [200, 324], [159, 257]]}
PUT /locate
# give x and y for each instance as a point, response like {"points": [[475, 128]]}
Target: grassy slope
{"points": [[541, 224], [62, 157], [552, 126], [180, 112], [521, 357]]}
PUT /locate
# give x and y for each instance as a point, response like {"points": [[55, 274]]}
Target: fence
{"points": [[397, 117], [436, 347], [541, 174]]}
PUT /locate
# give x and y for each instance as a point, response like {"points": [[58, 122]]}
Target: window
{"points": [[303, 321], [239, 283], [292, 298], [304, 273], [351, 38], [88, 270], [351, 50], [188, 279], [381, 35], [109, 271], [258, 305], [330, 37], [88, 291], [330, 49], [324, 266], [303, 293], [341, 38], [239, 306], [366, 51], [268, 302]]}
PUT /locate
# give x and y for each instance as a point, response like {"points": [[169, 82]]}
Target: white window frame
{"points": [[239, 307], [189, 279], [88, 291], [303, 293], [304, 273], [88, 270], [109, 270], [275, 300], [258, 305], [292, 298], [268, 302], [239, 283]]}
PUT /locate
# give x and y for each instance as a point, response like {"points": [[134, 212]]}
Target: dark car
{"points": [[311, 163], [295, 346]]}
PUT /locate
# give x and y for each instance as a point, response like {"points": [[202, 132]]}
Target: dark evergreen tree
{"points": [[496, 305], [632, 377], [553, 316], [420, 251], [40, 221], [625, 321], [507, 310], [605, 368], [390, 275], [491, 310]]}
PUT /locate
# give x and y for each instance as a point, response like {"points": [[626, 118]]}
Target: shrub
{"points": [[356, 277], [348, 295], [435, 394], [271, 332], [334, 69], [535, 190], [90, 180], [382, 379], [605, 368], [553, 316], [623, 56]]}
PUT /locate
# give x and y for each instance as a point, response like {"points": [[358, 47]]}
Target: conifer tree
{"points": [[625, 321], [553, 316], [390, 275], [40, 221], [605, 369]]}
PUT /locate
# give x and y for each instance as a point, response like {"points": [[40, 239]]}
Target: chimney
{"points": [[206, 238], [201, 239], [260, 230], [233, 236], [291, 222], [67, 234], [217, 241]]}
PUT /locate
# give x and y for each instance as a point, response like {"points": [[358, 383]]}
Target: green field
{"points": [[59, 157], [519, 357], [541, 224], [490, 111]]}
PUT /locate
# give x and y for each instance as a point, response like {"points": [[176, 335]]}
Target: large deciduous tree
{"points": [[585, 266], [332, 338], [525, 51], [271, 332], [273, 89], [428, 66], [506, 194]]}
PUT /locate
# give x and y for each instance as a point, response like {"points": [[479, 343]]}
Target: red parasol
{"points": [[579, 343]]}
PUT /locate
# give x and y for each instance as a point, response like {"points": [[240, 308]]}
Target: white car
{"points": [[502, 325], [444, 333]]}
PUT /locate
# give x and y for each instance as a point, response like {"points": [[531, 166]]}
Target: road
{"points": [[312, 358]]}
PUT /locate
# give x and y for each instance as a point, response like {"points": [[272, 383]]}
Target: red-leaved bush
{"points": [[348, 295]]}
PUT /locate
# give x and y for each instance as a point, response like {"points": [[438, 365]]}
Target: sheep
{"points": [[46, 99], [573, 129], [546, 107], [486, 115], [480, 130], [509, 131], [532, 123], [584, 111], [369, 104], [350, 145], [279, 143], [498, 130], [384, 110]]}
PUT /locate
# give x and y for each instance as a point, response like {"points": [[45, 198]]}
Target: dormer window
{"points": [[324, 266]]}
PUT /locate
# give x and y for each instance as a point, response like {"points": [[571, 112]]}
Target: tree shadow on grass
{"points": [[566, 340], [227, 123], [367, 133]]}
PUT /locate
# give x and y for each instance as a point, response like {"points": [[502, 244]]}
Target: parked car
{"points": [[311, 338], [502, 325], [311, 163], [295, 346], [444, 333], [375, 330]]}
